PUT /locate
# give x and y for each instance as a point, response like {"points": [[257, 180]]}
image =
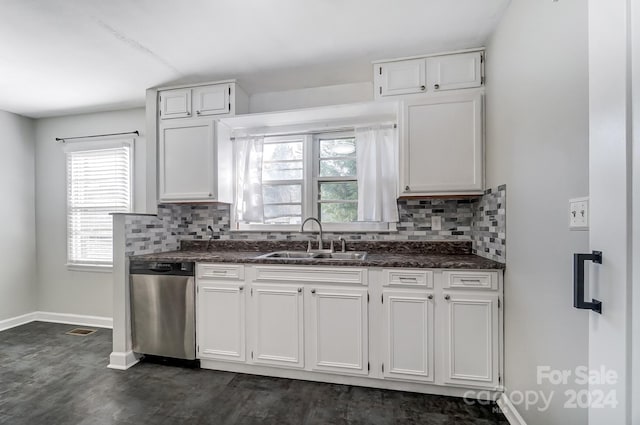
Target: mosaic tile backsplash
{"points": [[480, 220]]}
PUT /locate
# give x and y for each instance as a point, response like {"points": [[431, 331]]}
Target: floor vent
{"points": [[81, 331]]}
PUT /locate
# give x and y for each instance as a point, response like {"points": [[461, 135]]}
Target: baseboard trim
{"points": [[45, 316], [12, 322], [122, 360], [75, 319], [509, 411]]}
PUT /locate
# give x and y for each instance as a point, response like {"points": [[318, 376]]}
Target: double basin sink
{"points": [[315, 255]]}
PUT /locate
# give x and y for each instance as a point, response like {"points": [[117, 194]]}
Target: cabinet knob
{"points": [[447, 297], [436, 86], [197, 112], [406, 188], [313, 291], [423, 88], [241, 288], [299, 290], [430, 296]]}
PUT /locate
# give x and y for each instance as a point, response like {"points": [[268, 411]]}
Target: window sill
{"points": [[93, 268]]}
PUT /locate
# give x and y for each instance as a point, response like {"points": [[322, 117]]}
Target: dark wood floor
{"points": [[47, 377]]}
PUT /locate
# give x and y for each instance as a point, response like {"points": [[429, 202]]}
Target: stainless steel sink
{"points": [[349, 255], [304, 255]]}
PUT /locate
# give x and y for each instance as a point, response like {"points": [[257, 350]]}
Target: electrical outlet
{"points": [[436, 222], [579, 214]]}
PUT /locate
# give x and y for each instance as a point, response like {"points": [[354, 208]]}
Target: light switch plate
{"points": [[579, 214]]}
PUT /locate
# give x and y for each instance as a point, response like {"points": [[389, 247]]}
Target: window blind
{"points": [[98, 183]]}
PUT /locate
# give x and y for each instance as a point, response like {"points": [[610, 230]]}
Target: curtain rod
{"points": [[319, 131], [64, 139]]}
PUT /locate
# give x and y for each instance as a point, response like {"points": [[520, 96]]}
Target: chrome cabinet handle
{"points": [[423, 88], [430, 296], [408, 279], [299, 290], [436, 86], [241, 288], [198, 112], [313, 291], [470, 280], [406, 188], [447, 297]]}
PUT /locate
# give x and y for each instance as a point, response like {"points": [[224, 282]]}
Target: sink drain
{"points": [[81, 331]]}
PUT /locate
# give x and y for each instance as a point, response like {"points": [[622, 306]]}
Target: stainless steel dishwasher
{"points": [[163, 309]]}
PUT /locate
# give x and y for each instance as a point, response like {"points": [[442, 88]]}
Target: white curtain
{"points": [[377, 164], [249, 206]]}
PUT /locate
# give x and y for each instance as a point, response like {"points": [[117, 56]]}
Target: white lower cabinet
{"points": [[433, 327], [408, 328], [471, 339], [277, 325], [221, 320], [338, 330]]}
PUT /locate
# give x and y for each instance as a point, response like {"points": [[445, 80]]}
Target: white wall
{"points": [[537, 143], [311, 97], [17, 215], [59, 289]]}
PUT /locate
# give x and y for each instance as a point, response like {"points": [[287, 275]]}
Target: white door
{"points": [[186, 160], [442, 145], [402, 77], [277, 324], [221, 321], [175, 103], [408, 335], [212, 100], [339, 331], [614, 203], [471, 339], [451, 72]]}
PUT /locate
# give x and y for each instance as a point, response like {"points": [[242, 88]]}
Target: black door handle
{"points": [[578, 281]]}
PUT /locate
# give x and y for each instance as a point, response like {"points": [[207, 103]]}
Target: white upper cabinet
{"points": [[402, 77], [428, 74], [175, 103], [225, 98], [212, 100], [451, 72], [187, 162], [441, 145]]}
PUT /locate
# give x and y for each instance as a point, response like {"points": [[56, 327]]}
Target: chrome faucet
{"points": [[319, 235], [210, 237], [344, 244]]}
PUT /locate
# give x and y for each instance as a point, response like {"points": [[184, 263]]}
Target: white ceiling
{"points": [[67, 56]]}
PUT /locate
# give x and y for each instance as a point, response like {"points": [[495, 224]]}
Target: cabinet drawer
{"points": [[470, 280], [329, 275], [412, 278], [220, 271]]}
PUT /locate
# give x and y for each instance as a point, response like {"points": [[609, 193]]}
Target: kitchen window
{"points": [[282, 180], [99, 182]]}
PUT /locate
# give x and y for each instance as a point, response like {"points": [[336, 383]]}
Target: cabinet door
{"points": [[402, 77], [212, 100], [278, 325], [338, 330], [175, 104], [442, 149], [186, 160], [471, 339], [452, 72], [408, 335], [221, 321]]}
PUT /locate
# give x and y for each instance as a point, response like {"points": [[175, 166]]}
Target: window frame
{"points": [[87, 146], [310, 191]]}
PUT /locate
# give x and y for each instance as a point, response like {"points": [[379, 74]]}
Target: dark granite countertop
{"points": [[454, 255]]}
